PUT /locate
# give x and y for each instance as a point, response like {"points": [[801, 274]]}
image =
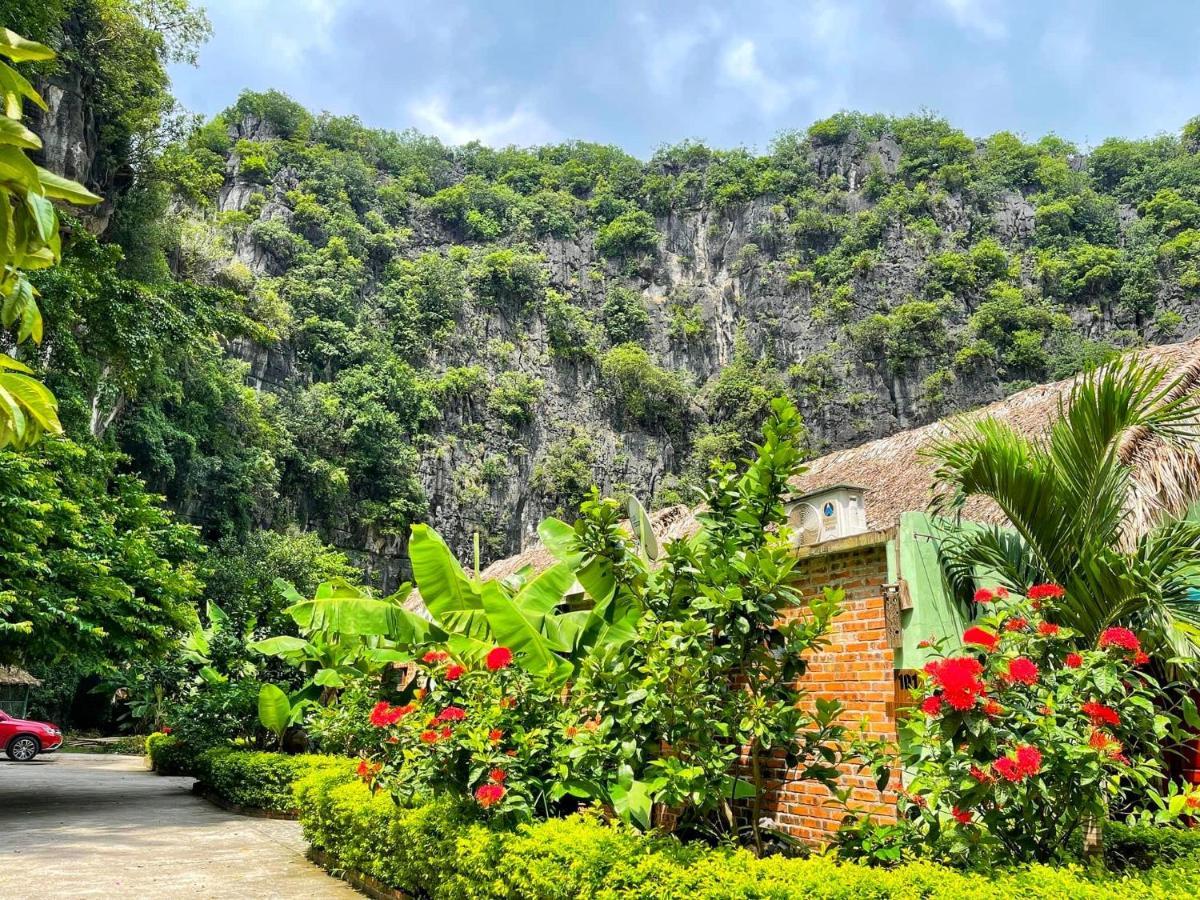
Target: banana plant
{"points": [[527, 614], [344, 633]]}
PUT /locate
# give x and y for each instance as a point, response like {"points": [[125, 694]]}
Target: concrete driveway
{"points": [[86, 825]]}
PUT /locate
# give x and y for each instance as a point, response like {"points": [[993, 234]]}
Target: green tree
{"points": [[95, 571]]}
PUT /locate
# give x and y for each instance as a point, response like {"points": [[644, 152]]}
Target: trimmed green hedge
{"points": [[264, 780], [168, 755], [1142, 848], [439, 852]]}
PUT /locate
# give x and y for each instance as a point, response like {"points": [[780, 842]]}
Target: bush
{"points": [[440, 851], [169, 755], [1019, 738], [263, 780], [630, 233], [1141, 847], [654, 396]]}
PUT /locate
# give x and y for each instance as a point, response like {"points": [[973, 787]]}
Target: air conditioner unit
{"points": [[828, 514]]}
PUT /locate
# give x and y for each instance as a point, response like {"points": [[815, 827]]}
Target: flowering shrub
{"points": [[471, 731], [1018, 738]]}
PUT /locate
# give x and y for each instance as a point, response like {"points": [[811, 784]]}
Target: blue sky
{"points": [[642, 74]]}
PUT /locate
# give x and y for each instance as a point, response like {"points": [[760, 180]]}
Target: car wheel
{"points": [[23, 748]]}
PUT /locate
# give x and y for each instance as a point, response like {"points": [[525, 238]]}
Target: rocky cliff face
{"points": [[877, 299]]}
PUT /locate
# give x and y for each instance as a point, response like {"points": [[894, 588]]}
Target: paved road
{"points": [[89, 825]]}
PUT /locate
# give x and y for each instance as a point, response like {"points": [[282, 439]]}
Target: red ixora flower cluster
{"points": [[433, 657], [367, 769], [1100, 714], [1016, 623], [455, 672], [384, 714], [489, 794], [958, 677], [982, 637], [1124, 639], [1073, 661], [1048, 629], [1022, 670], [452, 714], [1045, 592], [962, 815], [1024, 762], [499, 658]]}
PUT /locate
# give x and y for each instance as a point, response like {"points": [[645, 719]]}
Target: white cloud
{"points": [[667, 51], [977, 16], [523, 125], [741, 68]]}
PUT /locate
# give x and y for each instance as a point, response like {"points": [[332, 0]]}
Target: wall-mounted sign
{"points": [[907, 681]]}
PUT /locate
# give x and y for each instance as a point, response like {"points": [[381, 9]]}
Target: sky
{"points": [[642, 74]]}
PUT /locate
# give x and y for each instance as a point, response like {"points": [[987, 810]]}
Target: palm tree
{"points": [[1077, 516]]}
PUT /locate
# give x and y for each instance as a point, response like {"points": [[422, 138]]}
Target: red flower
{"points": [[445, 733], [992, 708], [1047, 629], [958, 677], [1029, 760], [980, 636], [1193, 802], [489, 794], [508, 702], [455, 672], [166, 729], [429, 737], [1073, 661], [983, 595], [1017, 623], [1120, 637], [1007, 769], [918, 799], [925, 643], [932, 705], [1098, 740], [981, 776], [499, 658], [1022, 670], [381, 715], [1045, 592], [452, 714], [963, 815], [434, 656], [495, 735], [1122, 759], [1001, 592], [497, 775], [364, 769], [1100, 714], [1141, 658]]}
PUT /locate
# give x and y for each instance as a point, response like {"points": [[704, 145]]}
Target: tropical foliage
{"points": [[1019, 741], [1068, 502]]}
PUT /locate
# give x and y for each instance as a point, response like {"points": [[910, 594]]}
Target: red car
{"points": [[23, 739]]}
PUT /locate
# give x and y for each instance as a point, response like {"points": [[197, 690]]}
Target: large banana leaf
{"points": [[545, 592], [341, 608], [274, 709], [520, 631], [451, 597]]}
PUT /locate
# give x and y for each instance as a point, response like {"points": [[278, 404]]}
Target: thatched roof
{"points": [[898, 478], [10, 675]]}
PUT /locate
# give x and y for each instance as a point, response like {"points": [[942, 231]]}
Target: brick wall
{"points": [[858, 669]]}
